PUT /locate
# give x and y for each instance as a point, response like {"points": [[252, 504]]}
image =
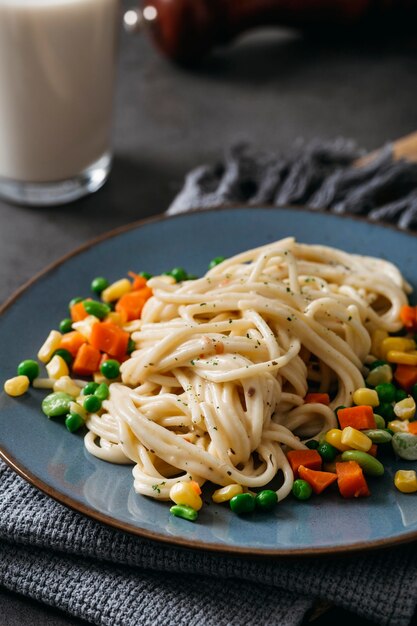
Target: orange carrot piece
{"points": [[406, 376], [108, 337], [317, 480], [309, 458], [138, 281], [359, 417], [408, 316], [320, 398], [412, 428], [86, 361], [373, 450], [131, 304], [78, 312], [72, 342], [350, 480]]}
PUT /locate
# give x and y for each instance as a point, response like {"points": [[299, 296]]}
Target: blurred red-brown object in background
{"points": [[186, 30]]}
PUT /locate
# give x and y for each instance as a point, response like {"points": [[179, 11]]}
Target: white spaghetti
{"points": [[215, 389]]}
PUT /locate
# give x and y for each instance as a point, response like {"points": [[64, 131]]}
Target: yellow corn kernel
{"points": [[400, 344], [226, 493], [398, 426], [17, 386], [67, 385], [85, 326], [43, 383], [116, 290], [365, 396], [406, 481], [355, 439], [378, 337], [50, 345], [77, 408], [114, 318], [403, 358], [57, 367], [183, 493], [99, 378], [334, 437], [405, 409]]}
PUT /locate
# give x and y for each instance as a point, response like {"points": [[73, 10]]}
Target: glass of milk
{"points": [[57, 74]]}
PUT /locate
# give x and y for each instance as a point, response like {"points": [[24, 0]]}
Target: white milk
{"points": [[57, 70]]}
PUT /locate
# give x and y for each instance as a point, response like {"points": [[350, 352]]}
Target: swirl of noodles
{"points": [[215, 388]]}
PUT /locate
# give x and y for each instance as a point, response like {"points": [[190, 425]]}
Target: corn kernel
{"points": [[355, 439], [50, 345], [406, 481], [85, 326], [57, 367], [226, 493], [334, 437], [377, 338], [116, 290], [17, 386], [74, 407], [366, 396], [99, 378], [398, 426], [67, 385], [379, 375], [183, 493], [403, 358], [400, 344], [114, 318], [405, 409]]}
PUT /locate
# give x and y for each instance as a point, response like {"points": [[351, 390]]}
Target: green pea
{"points": [[99, 284], [266, 500], [216, 261], [145, 275], [65, 325], [370, 465], [386, 410], [56, 404], [327, 452], [98, 309], [377, 363], [102, 392], [179, 274], [92, 404], [413, 391], [64, 354], [313, 444], [110, 368], [242, 503], [378, 435], [29, 368], [301, 489], [130, 346], [386, 392], [74, 301], [184, 511], [90, 388], [405, 446], [379, 421], [400, 394], [73, 422]]}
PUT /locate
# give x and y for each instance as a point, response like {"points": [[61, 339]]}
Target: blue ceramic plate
{"points": [[45, 454]]}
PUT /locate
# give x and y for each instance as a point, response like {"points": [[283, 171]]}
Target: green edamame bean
{"points": [[242, 503], [266, 499], [56, 404], [370, 465], [378, 435], [98, 309], [184, 511], [405, 446], [29, 368], [379, 421]]}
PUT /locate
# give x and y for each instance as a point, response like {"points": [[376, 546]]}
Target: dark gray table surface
{"points": [[270, 88]]}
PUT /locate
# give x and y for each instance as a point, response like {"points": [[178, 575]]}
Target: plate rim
{"points": [[108, 520]]}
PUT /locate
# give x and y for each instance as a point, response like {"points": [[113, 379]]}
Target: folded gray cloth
{"points": [[108, 577], [105, 576], [319, 174]]}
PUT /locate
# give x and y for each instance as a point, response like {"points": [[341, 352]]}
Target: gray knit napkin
{"points": [[108, 577]]}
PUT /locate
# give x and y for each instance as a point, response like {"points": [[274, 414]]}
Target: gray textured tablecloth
{"points": [[63, 559]]}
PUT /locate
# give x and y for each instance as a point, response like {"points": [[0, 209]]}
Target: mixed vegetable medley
{"points": [[83, 356]]}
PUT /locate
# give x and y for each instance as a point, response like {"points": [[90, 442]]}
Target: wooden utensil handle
{"points": [[187, 29]]}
